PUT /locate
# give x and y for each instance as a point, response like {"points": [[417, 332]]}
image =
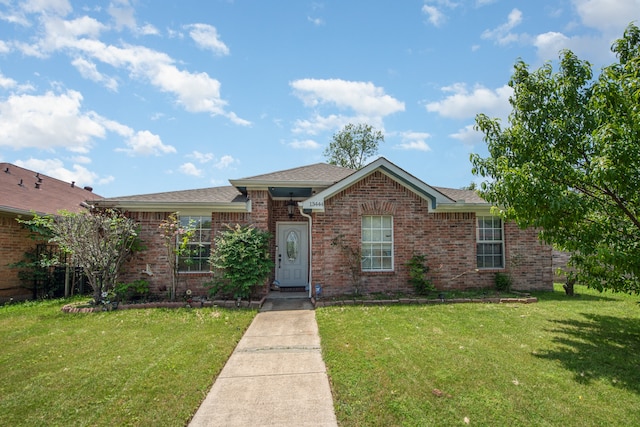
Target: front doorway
{"points": [[292, 254]]}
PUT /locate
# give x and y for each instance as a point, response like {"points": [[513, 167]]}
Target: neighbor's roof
{"points": [[23, 191], [319, 174]]}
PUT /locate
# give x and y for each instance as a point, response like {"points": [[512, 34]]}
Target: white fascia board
{"points": [[428, 193], [483, 208], [192, 208], [261, 185]]}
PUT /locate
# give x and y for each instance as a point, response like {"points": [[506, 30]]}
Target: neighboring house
{"points": [[23, 192], [381, 213]]}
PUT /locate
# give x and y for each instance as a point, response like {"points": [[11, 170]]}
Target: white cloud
{"points": [[4, 47], [468, 135], [145, 143], [596, 49], [201, 157], [608, 16], [123, 16], [414, 141], [307, 144], [81, 159], [436, 17], [190, 169], [368, 103], [55, 168], [206, 37], [434, 10], [195, 92], [225, 162], [6, 82], [48, 121], [89, 71], [55, 120], [315, 21], [318, 124], [502, 34], [362, 97], [464, 104], [58, 7], [549, 44]]}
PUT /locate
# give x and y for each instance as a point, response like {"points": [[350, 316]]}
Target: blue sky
{"points": [[142, 96]]}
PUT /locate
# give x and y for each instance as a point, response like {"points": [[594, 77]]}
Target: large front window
{"points": [[490, 242], [196, 255], [377, 243]]}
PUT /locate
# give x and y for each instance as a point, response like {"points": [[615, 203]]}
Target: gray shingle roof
{"points": [[320, 172], [226, 194], [469, 196]]}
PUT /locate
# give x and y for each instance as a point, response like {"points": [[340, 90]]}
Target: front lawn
{"points": [[129, 367], [570, 361]]}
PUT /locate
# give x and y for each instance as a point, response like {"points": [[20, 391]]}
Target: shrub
{"points": [[418, 270], [241, 260], [137, 290], [503, 282]]}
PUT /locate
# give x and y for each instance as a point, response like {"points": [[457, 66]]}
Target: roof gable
{"points": [[433, 196], [23, 191]]}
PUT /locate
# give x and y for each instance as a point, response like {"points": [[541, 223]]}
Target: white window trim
{"points": [[502, 245], [362, 243], [206, 217]]}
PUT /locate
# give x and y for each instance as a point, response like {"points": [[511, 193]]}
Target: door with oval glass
{"points": [[292, 254]]}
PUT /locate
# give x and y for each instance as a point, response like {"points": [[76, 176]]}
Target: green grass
{"points": [[562, 361], [130, 367]]}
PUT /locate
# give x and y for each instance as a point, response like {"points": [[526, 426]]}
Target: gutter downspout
{"points": [[310, 247]]}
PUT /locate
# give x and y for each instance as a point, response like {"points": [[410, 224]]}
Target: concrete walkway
{"points": [[275, 376]]}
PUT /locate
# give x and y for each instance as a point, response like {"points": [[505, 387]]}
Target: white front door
{"points": [[292, 253]]}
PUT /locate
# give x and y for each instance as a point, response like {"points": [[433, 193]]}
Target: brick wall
{"points": [[447, 239], [14, 242], [156, 256]]}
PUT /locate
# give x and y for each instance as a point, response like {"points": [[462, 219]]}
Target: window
{"points": [[490, 242], [196, 257], [377, 243]]}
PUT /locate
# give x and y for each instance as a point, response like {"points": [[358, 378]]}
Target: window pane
{"points": [[386, 222], [376, 222]]}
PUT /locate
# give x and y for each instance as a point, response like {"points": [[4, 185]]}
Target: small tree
{"points": [[353, 145], [99, 242], [241, 256], [418, 270], [177, 241], [353, 257]]}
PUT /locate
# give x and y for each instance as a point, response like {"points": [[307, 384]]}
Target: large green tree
{"points": [[569, 162], [353, 145]]}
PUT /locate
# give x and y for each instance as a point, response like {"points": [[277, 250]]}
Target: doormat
{"points": [[292, 289]]}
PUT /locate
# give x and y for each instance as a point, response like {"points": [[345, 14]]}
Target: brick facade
{"points": [[447, 239], [14, 243], [445, 235]]}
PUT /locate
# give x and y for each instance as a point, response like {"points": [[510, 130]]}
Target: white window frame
{"points": [[487, 236], [377, 249], [202, 260]]}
